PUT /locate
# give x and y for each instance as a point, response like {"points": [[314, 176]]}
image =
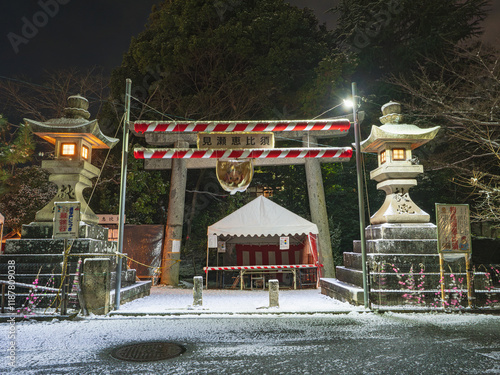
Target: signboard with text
{"points": [[284, 243], [108, 219], [453, 228], [221, 247], [263, 140], [66, 219]]}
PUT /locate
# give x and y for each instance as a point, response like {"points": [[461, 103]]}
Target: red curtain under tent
{"points": [[262, 218]]}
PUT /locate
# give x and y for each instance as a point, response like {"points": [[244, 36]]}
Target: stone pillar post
{"points": [[175, 218], [96, 285], [198, 291], [274, 293], [317, 205]]}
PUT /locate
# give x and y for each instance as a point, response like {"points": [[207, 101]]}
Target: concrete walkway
{"points": [[166, 300]]}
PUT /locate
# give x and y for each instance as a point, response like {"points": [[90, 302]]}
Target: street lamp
{"points": [[123, 189], [361, 201]]}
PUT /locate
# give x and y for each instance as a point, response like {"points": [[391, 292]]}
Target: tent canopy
{"points": [[262, 217]]}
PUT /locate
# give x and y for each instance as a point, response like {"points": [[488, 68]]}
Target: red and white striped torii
{"points": [[341, 125], [190, 153]]}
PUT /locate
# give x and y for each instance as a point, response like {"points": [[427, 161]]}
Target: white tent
{"points": [[263, 237], [262, 217]]}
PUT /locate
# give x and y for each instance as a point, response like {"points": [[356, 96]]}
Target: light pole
{"points": [[361, 201], [123, 188]]}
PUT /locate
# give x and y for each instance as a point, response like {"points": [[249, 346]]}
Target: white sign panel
{"points": [[221, 248], [176, 246], [66, 219], [284, 243], [212, 241]]}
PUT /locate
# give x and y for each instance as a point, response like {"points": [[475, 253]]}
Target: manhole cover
{"points": [[148, 351]]}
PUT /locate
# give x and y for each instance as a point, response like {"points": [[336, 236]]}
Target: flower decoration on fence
{"points": [[34, 298]]}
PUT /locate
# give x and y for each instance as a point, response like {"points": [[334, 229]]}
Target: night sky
{"points": [[80, 33]]}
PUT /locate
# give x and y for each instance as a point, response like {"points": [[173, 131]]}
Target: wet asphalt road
{"points": [[355, 343]]}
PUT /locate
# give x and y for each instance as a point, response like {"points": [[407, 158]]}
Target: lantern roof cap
{"points": [[75, 123], [394, 131]]}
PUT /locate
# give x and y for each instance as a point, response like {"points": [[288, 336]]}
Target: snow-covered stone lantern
{"points": [[394, 142], [74, 137]]}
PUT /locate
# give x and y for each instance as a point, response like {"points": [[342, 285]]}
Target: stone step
{"points": [[401, 231], [138, 290], [403, 262], [430, 298], [35, 268], [44, 230], [416, 281], [56, 246], [130, 289], [398, 246], [342, 291], [128, 278], [30, 258], [350, 276], [46, 260]]}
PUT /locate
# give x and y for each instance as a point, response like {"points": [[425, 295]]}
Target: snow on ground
{"points": [[313, 338], [164, 299]]}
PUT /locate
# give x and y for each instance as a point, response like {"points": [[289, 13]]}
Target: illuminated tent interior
{"points": [[262, 233]]}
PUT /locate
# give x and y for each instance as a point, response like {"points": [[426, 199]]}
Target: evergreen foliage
{"points": [[395, 37], [253, 60]]}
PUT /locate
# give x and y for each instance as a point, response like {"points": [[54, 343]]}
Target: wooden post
{"points": [[3, 298], [175, 219], [317, 206], [469, 280], [441, 271], [64, 301], [206, 273]]}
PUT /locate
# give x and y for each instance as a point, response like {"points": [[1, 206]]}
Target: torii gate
{"points": [[183, 134]]}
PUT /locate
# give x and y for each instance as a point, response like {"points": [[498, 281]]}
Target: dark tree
{"points": [[394, 37], [254, 59]]}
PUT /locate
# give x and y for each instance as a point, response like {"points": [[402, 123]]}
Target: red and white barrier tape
{"points": [[188, 153], [342, 125], [239, 268]]}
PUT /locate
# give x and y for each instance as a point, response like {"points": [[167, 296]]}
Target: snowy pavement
{"points": [[166, 300], [234, 333], [354, 343]]}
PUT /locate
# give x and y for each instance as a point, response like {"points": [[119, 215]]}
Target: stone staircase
{"points": [[38, 260], [403, 266]]}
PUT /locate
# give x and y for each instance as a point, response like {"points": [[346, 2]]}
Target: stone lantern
{"points": [[394, 142], [401, 235], [74, 137]]}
